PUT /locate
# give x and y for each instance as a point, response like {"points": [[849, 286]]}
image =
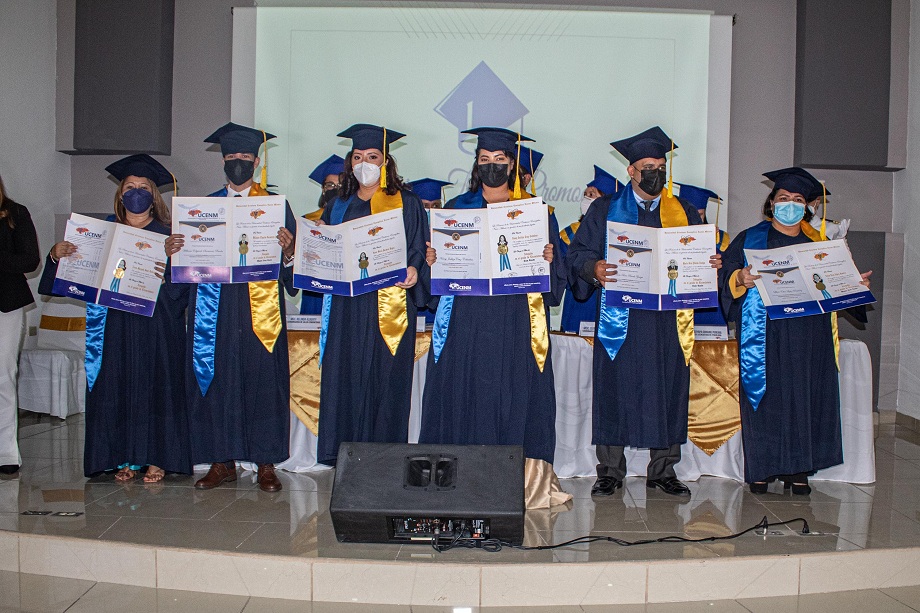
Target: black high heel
{"points": [[758, 487]]}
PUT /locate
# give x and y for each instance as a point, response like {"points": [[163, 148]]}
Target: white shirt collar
{"points": [[233, 193]]}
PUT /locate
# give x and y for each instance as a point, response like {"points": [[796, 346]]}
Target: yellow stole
{"points": [[314, 215], [264, 301], [392, 313], [673, 216], [539, 328]]}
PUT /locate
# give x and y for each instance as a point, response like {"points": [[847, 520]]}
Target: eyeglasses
{"points": [[330, 185]]}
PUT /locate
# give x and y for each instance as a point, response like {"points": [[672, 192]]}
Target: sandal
{"points": [[125, 474], [154, 474]]}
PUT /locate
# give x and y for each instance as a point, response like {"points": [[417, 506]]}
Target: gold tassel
{"points": [[383, 169], [263, 181], [516, 194], [824, 212], [671, 172]]}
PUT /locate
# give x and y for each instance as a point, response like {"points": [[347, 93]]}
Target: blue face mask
{"points": [[788, 213], [137, 200]]}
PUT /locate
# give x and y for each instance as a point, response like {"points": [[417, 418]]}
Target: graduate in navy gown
{"points": [[486, 384], [135, 400], [328, 176], [641, 372], [576, 311], [366, 359], [790, 399], [237, 373]]}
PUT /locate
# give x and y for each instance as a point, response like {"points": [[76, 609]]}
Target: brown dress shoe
{"points": [[268, 480], [220, 472]]}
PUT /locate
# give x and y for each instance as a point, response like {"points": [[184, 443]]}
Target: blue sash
{"points": [[95, 336], [614, 321], [468, 200], [752, 351], [336, 217], [204, 335]]}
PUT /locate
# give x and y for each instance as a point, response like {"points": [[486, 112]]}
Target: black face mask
{"points": [[653, 181], [494, 175], [328, 196], [239, 171]]}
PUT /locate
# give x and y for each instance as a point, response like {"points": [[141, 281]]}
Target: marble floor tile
{"points": [[837, 602], [39, 594], [190, 533], [113, 598]]}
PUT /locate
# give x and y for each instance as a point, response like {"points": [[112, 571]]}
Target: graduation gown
{"points": [[574, 311], [136, 411], [641, 397], [245, 414], [796, 427], [486, 388], [366, 391]]}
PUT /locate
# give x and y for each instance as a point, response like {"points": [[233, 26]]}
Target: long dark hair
{"points": [[768, 207], [476, 182], [7, 205], [350, 185]]}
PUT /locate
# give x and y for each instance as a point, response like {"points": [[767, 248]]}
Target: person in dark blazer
{"points": [[18, 256]]}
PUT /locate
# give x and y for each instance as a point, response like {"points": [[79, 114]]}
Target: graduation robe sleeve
{"points": [[416, 224], [586, 248], [732, 260]]}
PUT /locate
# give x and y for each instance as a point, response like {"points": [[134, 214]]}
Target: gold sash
{"points": [[392, 314], [539, 330], [264, 301], [674, 216]]}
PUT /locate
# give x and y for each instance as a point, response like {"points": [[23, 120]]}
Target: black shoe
{"points": [[669, 485], [605, 486], [759, 487], [801, 489], [9, 470]]}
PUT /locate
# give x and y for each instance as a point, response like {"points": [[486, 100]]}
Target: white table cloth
{"points": [[572, 359]]}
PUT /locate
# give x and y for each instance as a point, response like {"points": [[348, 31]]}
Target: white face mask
{"points": [[585, 203], [367, 174]]}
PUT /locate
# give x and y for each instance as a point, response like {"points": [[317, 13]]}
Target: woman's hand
{"points": [[174, 243], [286, 240], [320, 222], [411, 278], [605, 272], [431, 254], [548, 253], [865, 278], [745, 278], [160, 270], [716, 261], [63, 249]]}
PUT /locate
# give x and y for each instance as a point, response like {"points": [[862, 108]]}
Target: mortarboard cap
{"points": [[795, 180], [428, 189], [653, 143], [332, 165], [234, 138], [498, 139], [140, 165], [697, 196], [604, 182], [367, 136], [530, 156]]}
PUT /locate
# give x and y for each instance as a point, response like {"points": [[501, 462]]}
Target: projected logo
{"points": [[480, 99]]}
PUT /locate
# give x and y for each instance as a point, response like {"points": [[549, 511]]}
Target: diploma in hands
{"points": [[661, 269], [352, 258], [227, 240], [114, 266], [807, 279], [493, 251]]}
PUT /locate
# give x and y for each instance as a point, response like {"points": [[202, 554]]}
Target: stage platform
{"points": [[237, 540]]}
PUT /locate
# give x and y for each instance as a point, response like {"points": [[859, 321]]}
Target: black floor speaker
{"points": [[401, 493]]}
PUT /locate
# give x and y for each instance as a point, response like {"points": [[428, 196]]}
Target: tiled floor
{"points": [[239, 517], [38, 594]]}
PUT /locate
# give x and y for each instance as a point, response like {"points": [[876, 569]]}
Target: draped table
{"points": [[714, 445]]}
